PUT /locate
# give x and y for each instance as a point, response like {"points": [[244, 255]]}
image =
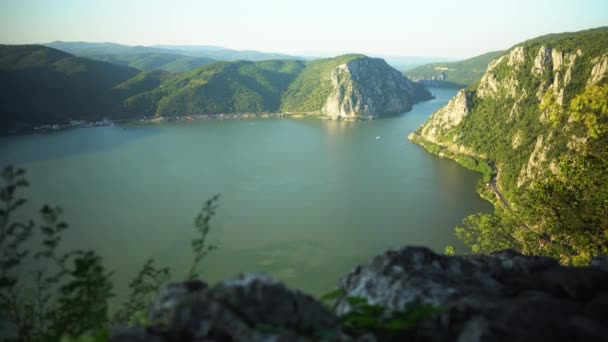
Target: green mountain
{"points": [[86, 49], [172, 58], [537, 125], [405, 63], [40, 85], [223, 54], [139, 57], [225, 87], [155, 61], [347, 87], [453, 74]]}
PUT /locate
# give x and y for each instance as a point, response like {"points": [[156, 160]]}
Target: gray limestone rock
{"points": [[504, 296]]}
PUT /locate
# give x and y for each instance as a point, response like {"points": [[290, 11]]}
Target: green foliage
{"points": [[15, 57], [237, 87], [561, 212], [552, 108], [39, 85], [144, 289], [455, 74], [592, 41], [35, 82], [449, 250], [386, 325], [83, 301], [564, 214], [486, 233], [154, 61], [200, 247], [571, 206], [49, 295], [310, 90], [127, 53], [99, 335], [333, 295], [591, 108], [64, 293]]}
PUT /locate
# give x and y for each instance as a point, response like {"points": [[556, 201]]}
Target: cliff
{"points": [[500, 297], [350, 87], [517, 112], [536, 125]]}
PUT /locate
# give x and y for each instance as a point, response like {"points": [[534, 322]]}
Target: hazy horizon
{"points": [[439, 28]]}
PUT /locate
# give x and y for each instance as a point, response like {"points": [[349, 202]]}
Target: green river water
{"points": [[301, 200]]}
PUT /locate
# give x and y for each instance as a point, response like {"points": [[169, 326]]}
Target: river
{"points": [[301, 200]]}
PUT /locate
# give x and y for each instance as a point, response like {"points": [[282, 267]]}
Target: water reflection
{"points": [[55, 145]]}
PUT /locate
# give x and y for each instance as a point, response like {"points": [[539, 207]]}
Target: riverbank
{"points": [[55, 127], [487, 187]]}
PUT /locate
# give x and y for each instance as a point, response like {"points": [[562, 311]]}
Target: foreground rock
{"points": [[249, 308], [501, 297]]}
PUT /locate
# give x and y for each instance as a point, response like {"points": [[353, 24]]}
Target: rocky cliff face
{"points": [[501, 297], [517, 115], [369, 87], [449, 116]]}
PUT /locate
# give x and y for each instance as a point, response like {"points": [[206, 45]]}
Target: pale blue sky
{"points": [[456, 28]]}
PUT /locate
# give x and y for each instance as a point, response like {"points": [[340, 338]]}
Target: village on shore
{"points": [[160, 119], [146, 119]]}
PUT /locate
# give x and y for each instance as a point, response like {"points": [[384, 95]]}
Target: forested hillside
{"points": [[40, 85], [227, 87], [537, 125], [172, 58], [308, 92], [453, 74]]}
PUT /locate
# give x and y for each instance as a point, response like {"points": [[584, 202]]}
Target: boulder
{"points": [[504, 296]]}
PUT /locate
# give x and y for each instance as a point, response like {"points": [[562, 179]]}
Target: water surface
{"points": [[302, 200]]}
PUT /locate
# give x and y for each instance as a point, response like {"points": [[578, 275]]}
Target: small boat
{"points": [[378, 138]]}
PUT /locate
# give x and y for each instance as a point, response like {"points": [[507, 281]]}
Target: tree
{"points": [[564, 214], [67, 294]]}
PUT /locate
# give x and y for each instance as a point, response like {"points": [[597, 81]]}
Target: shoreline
{"points": [[483, 166], [58, 127]]}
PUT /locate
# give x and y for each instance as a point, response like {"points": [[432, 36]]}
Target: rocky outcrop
{"points": [[494, 83], [556, 65], [252, 307], [448, 116], [599, 70], [521, 105], [504, 296], [537, 158], [369, 87]]}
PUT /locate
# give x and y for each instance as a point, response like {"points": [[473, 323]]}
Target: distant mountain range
{"points": [[178, 58], [42, 85], [405, 63], [458, 74], [172, 58]]}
